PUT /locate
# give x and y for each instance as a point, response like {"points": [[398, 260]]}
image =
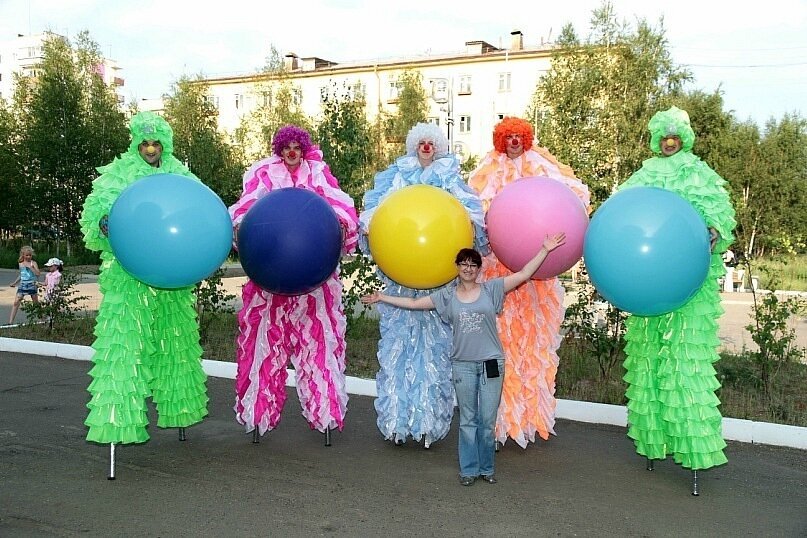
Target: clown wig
{"points": [[426, 131], [670, 122], [291, 133], [509, 126], [149, 126]]}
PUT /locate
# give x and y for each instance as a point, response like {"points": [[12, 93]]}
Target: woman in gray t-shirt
{"points": [[477, 359]]}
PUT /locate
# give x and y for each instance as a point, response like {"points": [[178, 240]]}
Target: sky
{"points": [[757, 55]]}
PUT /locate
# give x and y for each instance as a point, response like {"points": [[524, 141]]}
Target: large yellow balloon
{"points": [[415, 235]]}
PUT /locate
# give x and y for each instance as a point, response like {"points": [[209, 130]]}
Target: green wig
{"points": [[670, 122], [150, 126]]}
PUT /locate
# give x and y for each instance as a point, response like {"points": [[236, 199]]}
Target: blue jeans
{"points": [[478, 399]]}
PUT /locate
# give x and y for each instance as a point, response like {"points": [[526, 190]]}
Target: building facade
{"points": [[23, 55], [469, 91]]}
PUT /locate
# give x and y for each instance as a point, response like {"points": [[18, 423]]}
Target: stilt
{"points": [[497, 446], [397, 441], [328, 436], [649, 464], [111, 462], [256, 437], [182, 434], [695, 490], [426, 444]]}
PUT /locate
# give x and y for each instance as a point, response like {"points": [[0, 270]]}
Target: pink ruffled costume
{"points": [[309, 329], [529, 326]]}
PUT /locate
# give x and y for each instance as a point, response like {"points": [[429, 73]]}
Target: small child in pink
{"points": [[55, 267]]}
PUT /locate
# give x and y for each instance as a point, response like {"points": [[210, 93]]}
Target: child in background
{"points": [[29, 272], [55, 267]]}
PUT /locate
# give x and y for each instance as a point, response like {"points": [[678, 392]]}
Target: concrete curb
{"points": [[734, 429]]}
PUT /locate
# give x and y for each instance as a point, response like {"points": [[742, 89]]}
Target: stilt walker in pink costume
{"points": [[309, 329], [529, 326]]}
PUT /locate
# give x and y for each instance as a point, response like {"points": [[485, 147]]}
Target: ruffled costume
{"points": [[415, 392], [147, 339], [672, 406], [529, 325], [309, 329]]}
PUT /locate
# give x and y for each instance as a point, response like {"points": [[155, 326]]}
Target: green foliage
{"points": [[412, 109], [350, 144], [596, 329], [212, 302], [592, 107], [774, 336], [61, 306], [468, 166], [359, 274], [198, 141]]}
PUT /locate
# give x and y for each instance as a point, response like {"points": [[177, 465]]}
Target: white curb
{"points": [[747, 431]]}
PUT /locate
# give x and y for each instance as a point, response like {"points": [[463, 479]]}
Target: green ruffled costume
{"points": [[147, 339], [672, 406]]}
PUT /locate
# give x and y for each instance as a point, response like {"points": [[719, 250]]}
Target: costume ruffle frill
{"points": [[147, 339], [672, 406], [308, 329], [415, 393], [529, 325]]}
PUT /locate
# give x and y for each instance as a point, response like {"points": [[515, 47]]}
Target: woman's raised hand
{"points": [[372, 298], [553, 242]]}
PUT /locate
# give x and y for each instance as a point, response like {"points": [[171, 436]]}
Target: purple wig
{"points": [[291, 133]]}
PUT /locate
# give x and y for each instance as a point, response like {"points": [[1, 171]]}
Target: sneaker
{"points": [[489, 478], [467, 480]]}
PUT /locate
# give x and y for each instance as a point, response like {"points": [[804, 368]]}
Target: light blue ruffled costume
{"points": [[415, 394]]}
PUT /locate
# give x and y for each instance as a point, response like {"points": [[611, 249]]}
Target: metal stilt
{"points": [[695, 490], [649, 464], [111, 462], [256, 437], [182, 434], [426, 444], [327, 436], [497, 446]]}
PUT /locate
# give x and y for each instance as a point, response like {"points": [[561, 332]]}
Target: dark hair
{"points": [[468, 255]]}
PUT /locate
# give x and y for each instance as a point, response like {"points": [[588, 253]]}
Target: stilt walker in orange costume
{"points": [[529, 326]]}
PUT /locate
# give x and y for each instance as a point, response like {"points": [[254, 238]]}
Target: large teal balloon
{"points": [[647, 251], [169, 231]]}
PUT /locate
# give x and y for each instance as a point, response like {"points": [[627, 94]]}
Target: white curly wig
{"points": [[426, 131]]}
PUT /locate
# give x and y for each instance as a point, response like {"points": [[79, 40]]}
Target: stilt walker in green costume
{"points": [[147, 339], [672, 406]]}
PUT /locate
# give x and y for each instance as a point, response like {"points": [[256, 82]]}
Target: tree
{"points": [[199, 143], [349, 143], [412, 108], [279, 103], [70, 124], [591, 109]]}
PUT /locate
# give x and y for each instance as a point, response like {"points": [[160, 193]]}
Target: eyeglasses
{"points": [[468, 265]]}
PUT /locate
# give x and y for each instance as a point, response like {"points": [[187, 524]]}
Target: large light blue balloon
{"points": [[647, 251], [169, 231]]}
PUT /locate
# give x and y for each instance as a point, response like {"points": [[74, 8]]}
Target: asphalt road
{"points": [[587, 481]]}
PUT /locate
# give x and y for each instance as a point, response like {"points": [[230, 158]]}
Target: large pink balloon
{"points": [[528, 210]]}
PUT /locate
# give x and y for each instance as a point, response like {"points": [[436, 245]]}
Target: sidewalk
{"points": [[587, 481]]}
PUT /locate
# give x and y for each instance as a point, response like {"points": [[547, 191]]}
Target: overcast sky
{"points": [[757, 54]]}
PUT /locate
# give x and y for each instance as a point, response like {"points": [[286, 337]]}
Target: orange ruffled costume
{"points": [[529, 326]]}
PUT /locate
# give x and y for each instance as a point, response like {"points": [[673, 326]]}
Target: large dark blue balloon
{"points": [[169, 231], [647, 251], [290, 241]]}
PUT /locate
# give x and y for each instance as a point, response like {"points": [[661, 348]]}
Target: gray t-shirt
{"points": [[476, 337]]}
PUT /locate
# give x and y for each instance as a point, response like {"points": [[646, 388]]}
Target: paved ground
{"points": [[587, 481], [732, 325]]}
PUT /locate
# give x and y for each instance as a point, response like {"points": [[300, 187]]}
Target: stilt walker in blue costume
{"points": [[147, 339], [415, 394], [672, 406]]}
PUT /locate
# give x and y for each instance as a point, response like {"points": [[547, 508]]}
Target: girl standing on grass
{"points": [[55, 267], [29, 272]]}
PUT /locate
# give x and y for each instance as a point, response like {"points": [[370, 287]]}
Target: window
{"points": [[239, 101], [297, 96], [433, 120], [213, 100], [504, 82], [500, 117], [465, 124], [394, 90], [465, 85], [266, 98]]}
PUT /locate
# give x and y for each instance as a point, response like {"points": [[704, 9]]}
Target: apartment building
{"points": [[23, 55], [469, 91]]}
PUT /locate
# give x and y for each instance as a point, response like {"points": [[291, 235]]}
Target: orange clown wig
{"points": [[510, 126]]}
